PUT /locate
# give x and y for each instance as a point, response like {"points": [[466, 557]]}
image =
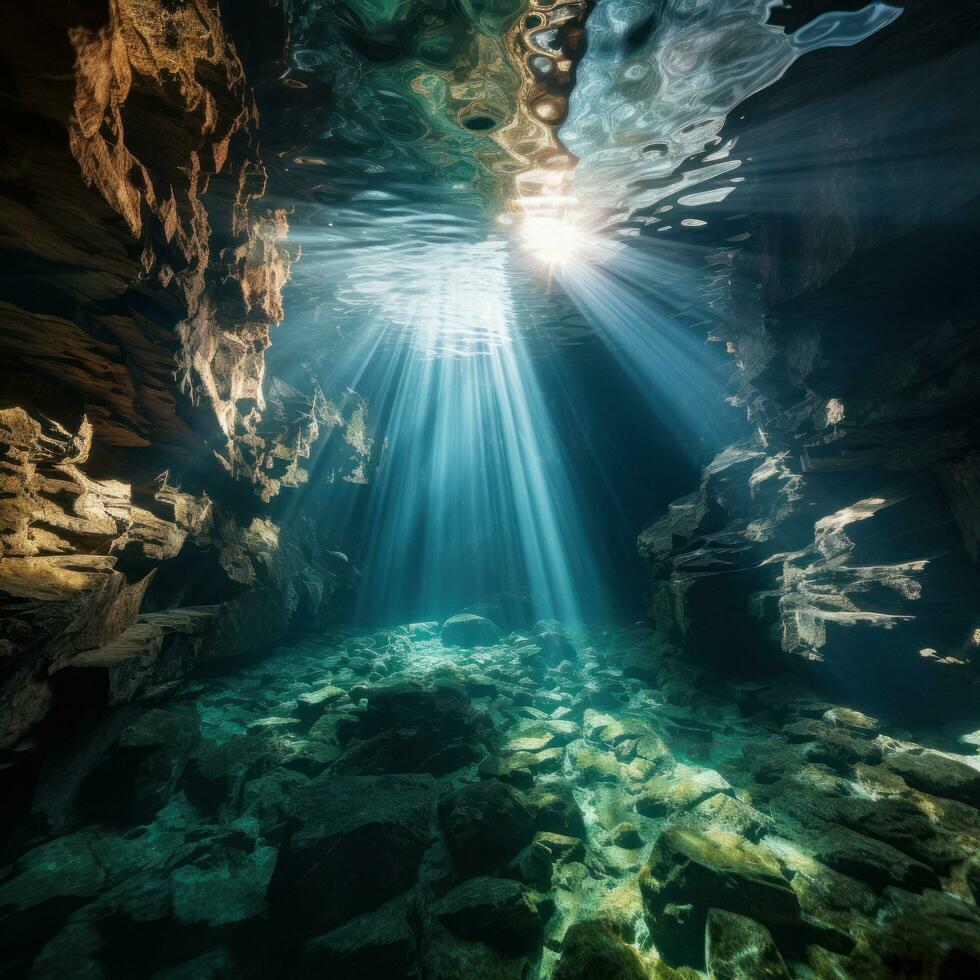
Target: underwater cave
{"points": [[489, 490]]}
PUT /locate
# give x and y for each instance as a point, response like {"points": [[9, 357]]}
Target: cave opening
{"points": [[489, 490]]}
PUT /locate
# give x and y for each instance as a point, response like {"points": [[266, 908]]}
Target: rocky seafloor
{"points": [[447, 801]]}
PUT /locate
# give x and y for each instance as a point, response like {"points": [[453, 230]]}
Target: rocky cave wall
{"points": [[141, 440], [844, 531]]}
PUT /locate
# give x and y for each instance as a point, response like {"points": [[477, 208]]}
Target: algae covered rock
{"points": [[854, 721], [869, 860], [685, 788], [724, 812], [930, 935], [626, 835], [939, 775], [469, 630], [739, 948], [553, 808], [592, 949], [532, 866], [690, 872]]}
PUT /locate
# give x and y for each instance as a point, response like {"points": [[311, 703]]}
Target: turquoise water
{"points": [[487, 763], [525, 410]]}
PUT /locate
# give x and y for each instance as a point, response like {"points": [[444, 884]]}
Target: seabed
{"points": [[451, 801]]}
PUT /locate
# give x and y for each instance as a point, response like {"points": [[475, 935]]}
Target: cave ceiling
{"points": [[402, 131]]}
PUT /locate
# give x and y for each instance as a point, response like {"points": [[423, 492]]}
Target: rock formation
{"points": [[844, 528], [142, 274]]}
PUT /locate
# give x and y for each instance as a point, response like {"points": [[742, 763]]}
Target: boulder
{"points": [[853, 721], [468, 630], [939, 775], [626, 835], [355, 843], [553, 808], [312, 704], [140, 772], [410, 728], [829, 896], [591, 765], [536, 763], [689, 872], [532, 866], [907, 826], [554, 646], [592, 950], [724, 812], [684, 789], [832, 745], [489, 610], [869, 860], [930, 935], [46, 884], [485, 824], [217, 772], [447, 956], [497, 911], [561, 847], [654, 748], [481, 686], [265, 798], [224, 885], [377, 944], [738, 948], [535, 736]]}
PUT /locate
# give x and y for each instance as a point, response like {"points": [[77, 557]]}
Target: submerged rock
{"points": [[410, 728], [592, 950], [724, 812], [312, 704], [554, 809], [377, 944], [485, 824], [142, 769], [686, 788], [532, 866], [689, 872], [738, 948], [854, 721], [939, 775], [870, 860], [217, 772], [932, 935], [447, 956], [560, 846], [626, 835], [468, 630], [497, 911], [357, 842]]}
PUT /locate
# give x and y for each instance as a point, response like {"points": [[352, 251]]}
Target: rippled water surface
{"points": [[406, 201]]}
